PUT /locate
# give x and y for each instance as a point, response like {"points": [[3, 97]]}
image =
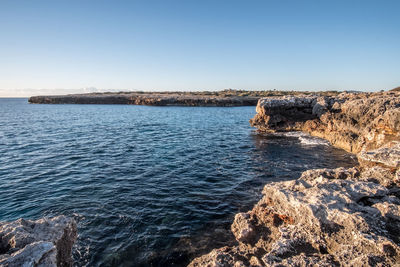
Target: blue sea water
{"points": [[148, 186]]}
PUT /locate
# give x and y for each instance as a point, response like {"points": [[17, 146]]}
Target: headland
{"points": [[224, 98]]}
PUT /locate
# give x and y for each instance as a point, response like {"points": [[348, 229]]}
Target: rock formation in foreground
{"points": [[327, 217], [45, 242]]}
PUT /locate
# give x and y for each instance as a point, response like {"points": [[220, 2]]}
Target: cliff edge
{"points": [[349, 121], [327, 217]]}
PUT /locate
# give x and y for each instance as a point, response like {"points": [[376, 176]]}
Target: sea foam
{"points": [[306, 139]]}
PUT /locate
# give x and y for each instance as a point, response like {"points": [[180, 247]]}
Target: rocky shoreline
{"points": [[44, 242], [327, 217]]}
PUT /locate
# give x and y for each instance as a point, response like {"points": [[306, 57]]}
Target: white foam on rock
{"points": [[307, 140], [313, 141]]}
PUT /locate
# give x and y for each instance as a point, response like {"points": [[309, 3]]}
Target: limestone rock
{"points": [[283, 113], [45, 242], [388, 156], [350, 121], [325, 218], [242, 227]]}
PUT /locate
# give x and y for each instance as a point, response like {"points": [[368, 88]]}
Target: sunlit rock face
{"points": [[327, 217], [45, 242], [350, 121]]}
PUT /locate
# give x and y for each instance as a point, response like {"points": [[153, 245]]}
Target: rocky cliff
{"points": [[45, 242], [349, 121], [327, 217]]}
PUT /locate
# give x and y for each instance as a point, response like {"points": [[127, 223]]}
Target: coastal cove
{"points": [[330, 216], [200, 133], [162, 202]]}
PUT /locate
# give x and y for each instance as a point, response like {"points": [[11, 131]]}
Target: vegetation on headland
{"points": [[227, 97], [226, 93]]}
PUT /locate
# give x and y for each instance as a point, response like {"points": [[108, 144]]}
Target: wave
{"points": [[306, 139]]}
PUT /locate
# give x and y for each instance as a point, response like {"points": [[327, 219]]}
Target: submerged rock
{"points": [[45, 242]]}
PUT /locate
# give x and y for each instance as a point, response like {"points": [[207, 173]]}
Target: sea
{"points": [[148, 186]]}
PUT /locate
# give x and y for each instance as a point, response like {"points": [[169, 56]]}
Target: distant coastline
{"points": [[225, 98]]}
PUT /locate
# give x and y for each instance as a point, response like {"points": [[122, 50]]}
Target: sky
{"points": [[58, 47]]}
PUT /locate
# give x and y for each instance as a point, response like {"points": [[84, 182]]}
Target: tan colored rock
{"points": [[387, 156], [351, 121], [327, 217], [242, 228], [222, 257], [45, 242]]}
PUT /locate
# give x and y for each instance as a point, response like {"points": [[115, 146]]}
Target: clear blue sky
{"points": [[69, 46]]}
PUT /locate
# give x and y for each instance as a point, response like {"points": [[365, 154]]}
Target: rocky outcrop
{"points": [[327, 217], [45, 242], [386, 156], [350, 121], [317, 219]]}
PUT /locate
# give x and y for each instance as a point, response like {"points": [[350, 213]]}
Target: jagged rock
{"points": [[222, 257], [327, 217], [321, 106], [351, 121], [242, 228], [380, 175], [388, 156], [45, 242], [283, 113]]}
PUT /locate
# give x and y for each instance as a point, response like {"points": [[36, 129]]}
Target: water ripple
{"points": [[149, 186]]}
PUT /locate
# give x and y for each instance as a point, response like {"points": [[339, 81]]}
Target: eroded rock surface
{"points": [[350, 121], [327, 217], [45, 242]]}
